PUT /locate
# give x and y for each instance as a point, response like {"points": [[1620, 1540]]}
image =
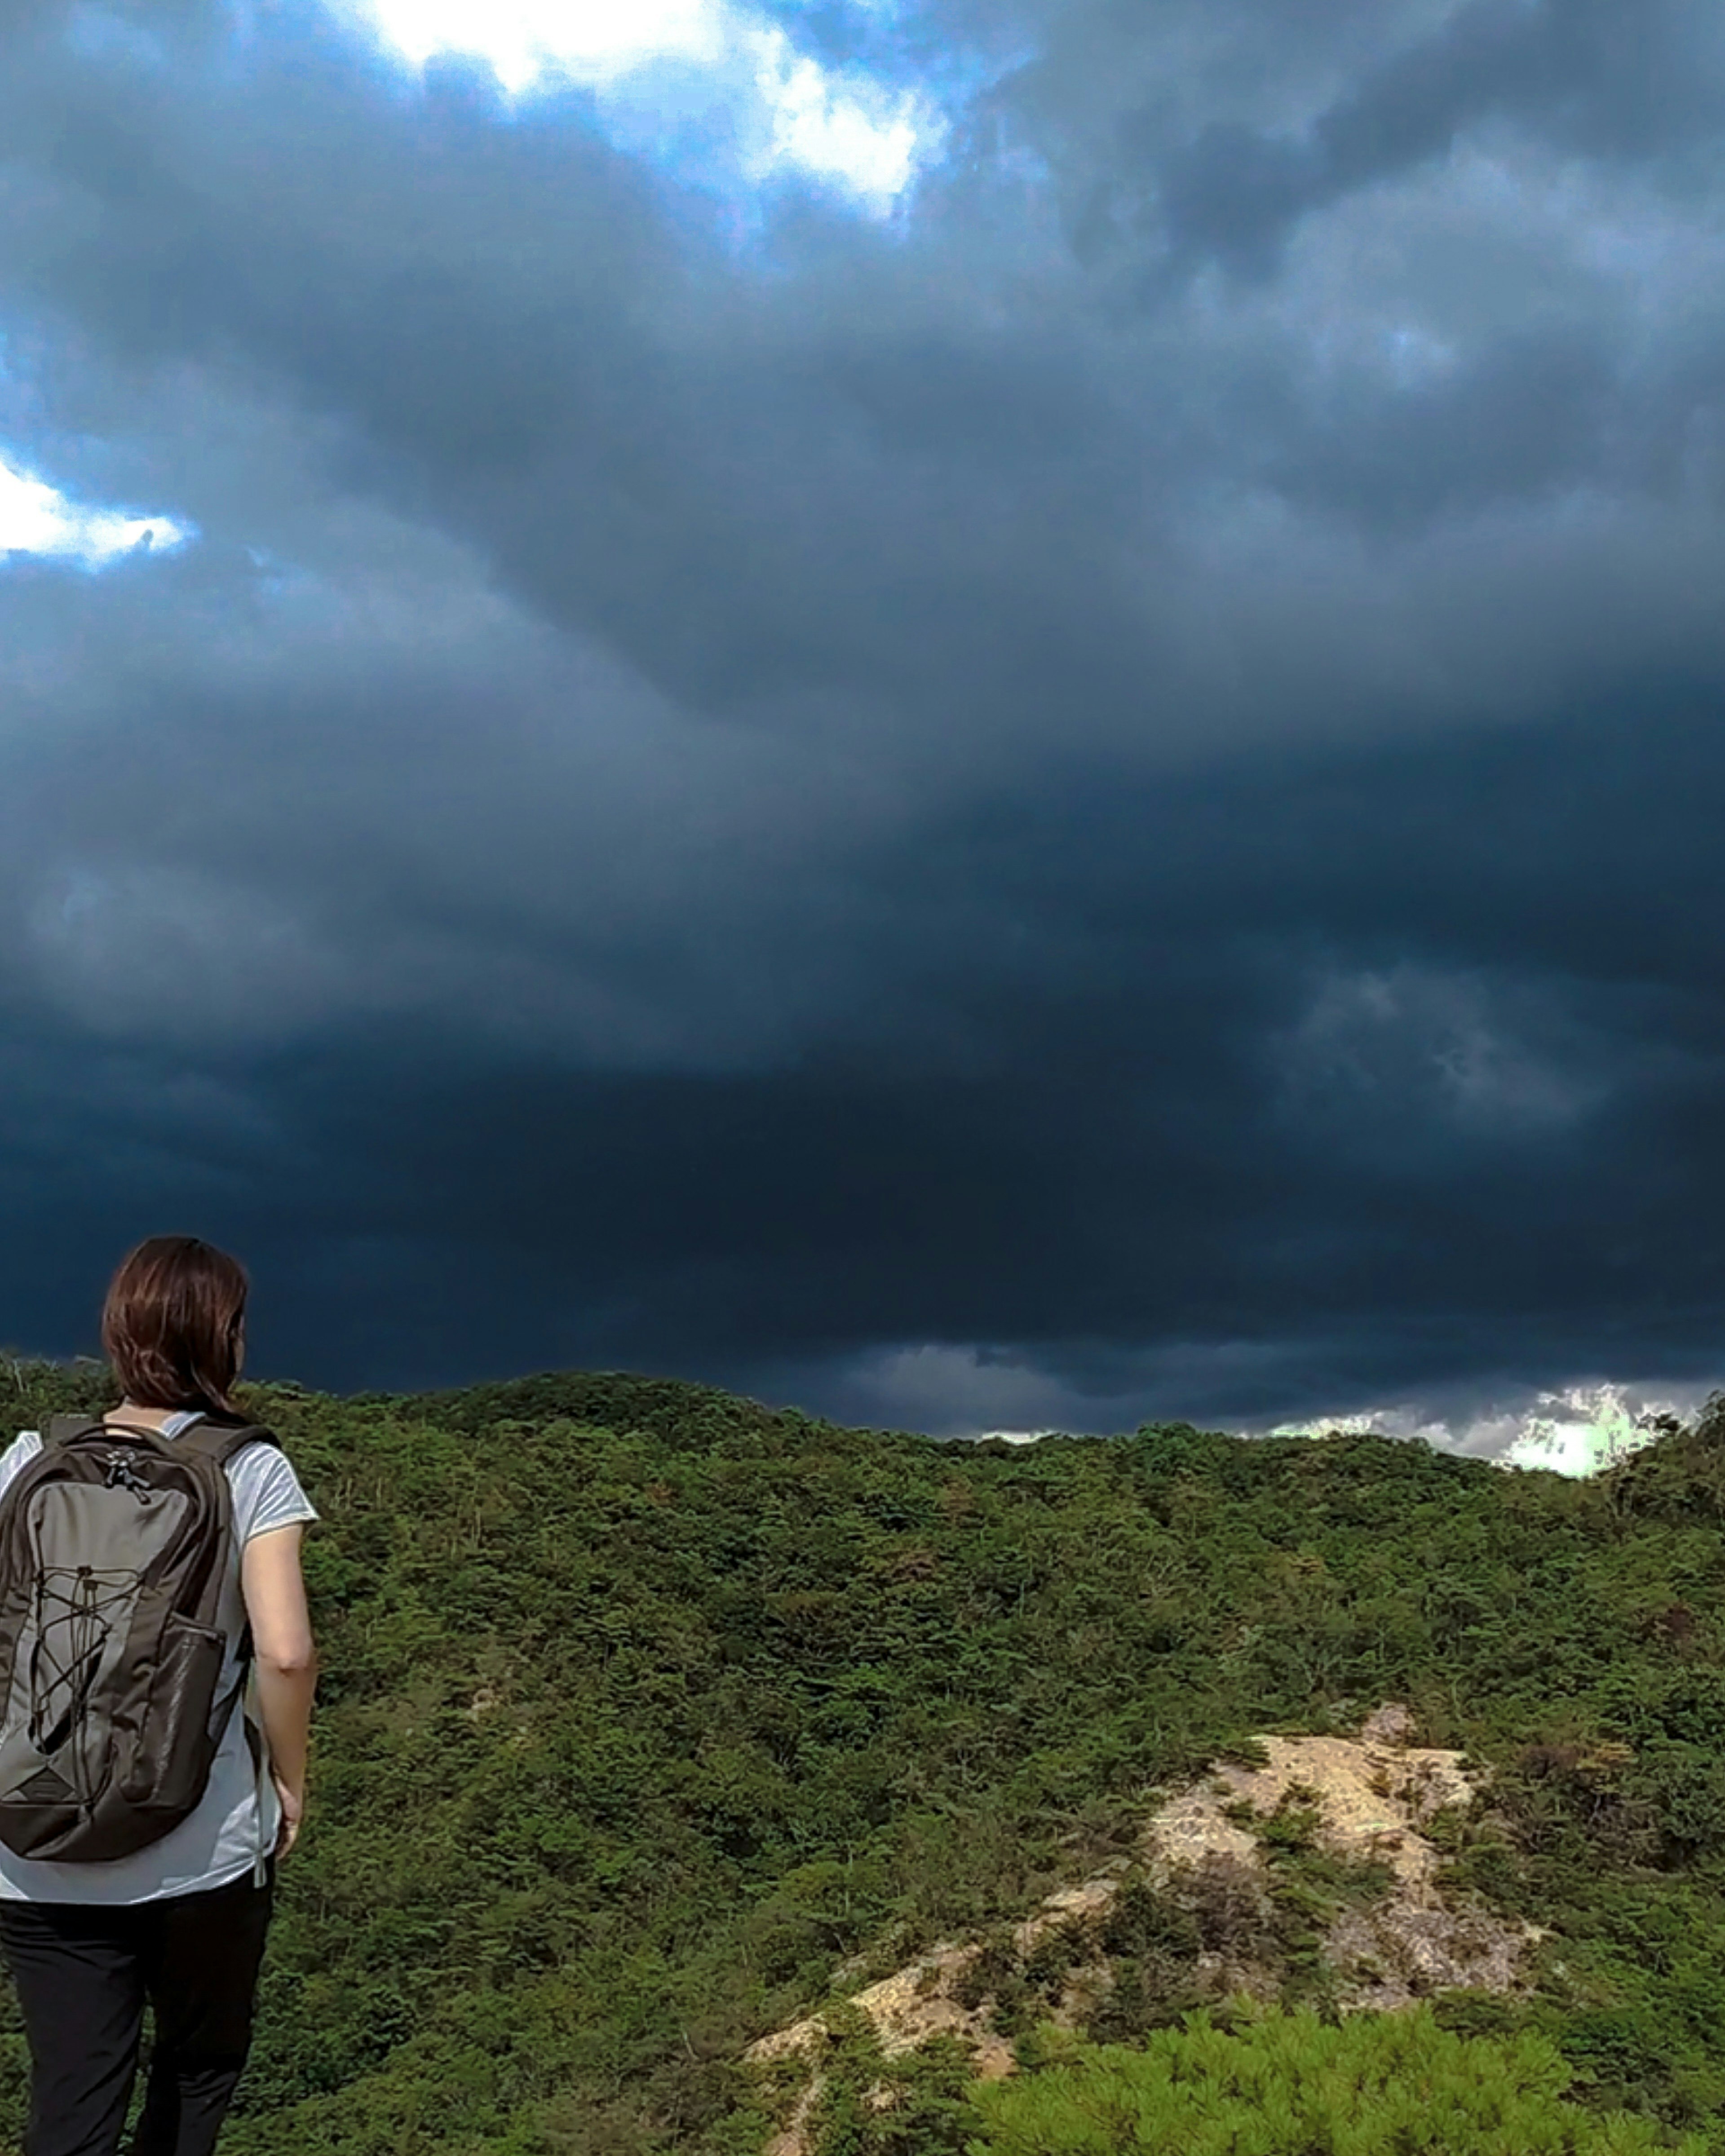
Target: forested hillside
{"points": [[646, 1711]]}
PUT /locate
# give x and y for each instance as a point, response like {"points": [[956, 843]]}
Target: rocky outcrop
{"points": [[1372, 1795], [1369, 1799]]}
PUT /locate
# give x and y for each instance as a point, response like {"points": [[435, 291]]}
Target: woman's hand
{"points": [[293, 1810]]}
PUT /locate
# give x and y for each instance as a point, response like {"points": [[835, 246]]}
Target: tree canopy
{"points": [[647, 1711]]}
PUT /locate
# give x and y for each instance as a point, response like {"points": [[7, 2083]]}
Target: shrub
{"points": [[1289, 2084]]}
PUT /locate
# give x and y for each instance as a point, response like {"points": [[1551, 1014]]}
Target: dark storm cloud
{"points": [[1641, 84], [1095, 798]]}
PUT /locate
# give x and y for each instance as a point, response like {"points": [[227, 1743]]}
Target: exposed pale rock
{"points": [[1371, 1798], [1372, 1795], [1391, 1723], [1192, 1826]]}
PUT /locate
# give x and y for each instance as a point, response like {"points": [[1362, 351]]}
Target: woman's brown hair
{"points": [[172, 1324]]}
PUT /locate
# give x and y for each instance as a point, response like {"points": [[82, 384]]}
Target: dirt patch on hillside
{"points": [[1372, 1795], [924, 1999], [1369, 1799]]}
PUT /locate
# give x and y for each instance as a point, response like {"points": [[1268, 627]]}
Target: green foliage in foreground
{"points": [[646, 1710], [1286, 2085]]}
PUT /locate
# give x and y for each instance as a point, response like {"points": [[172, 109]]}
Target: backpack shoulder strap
{"points": [[61, 1429], [220, 1441]]}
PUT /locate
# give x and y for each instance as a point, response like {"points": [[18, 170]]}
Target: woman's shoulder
{"points": [[267, 1492], [22, 1449]]}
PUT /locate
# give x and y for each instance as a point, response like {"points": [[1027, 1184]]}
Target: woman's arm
{"points": [[286, 1660]]}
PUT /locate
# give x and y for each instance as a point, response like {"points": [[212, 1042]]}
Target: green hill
{"points": [[646, 1710]]}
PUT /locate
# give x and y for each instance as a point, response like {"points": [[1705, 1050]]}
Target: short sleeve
{"points": [[17, 1456], [267, 1493]]}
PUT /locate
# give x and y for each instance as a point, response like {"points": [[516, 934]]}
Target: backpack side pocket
{"points": [[171, 1759]]}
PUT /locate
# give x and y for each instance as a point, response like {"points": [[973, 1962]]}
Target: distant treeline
{"points": [[645, 1708]]}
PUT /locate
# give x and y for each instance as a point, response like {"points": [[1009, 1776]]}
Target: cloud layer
{"points": [[1094, 796]]}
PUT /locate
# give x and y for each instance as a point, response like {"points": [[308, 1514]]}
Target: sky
{"points": [[987, 717]]}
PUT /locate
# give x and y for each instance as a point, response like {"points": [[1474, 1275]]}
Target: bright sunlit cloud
{"points": [[36, 518], [847, 129], [1577, 1430], [865, 138], [590, 41]]}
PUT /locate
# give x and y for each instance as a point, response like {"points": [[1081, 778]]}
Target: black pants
{"points": [[83, 1972]]}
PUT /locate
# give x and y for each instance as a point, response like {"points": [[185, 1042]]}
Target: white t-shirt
{"points": [[239, 1816]]}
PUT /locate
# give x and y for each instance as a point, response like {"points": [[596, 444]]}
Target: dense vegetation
{"points": [[1390, 2085], [646, 1709]]}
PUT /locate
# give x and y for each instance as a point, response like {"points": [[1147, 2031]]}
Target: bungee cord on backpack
{"points": [[77, 1613]]}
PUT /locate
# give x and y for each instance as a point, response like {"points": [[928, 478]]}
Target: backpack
{"points": [[116, 1545]]}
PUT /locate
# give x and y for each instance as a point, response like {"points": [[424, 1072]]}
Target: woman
{"points": [[181, 1921]]}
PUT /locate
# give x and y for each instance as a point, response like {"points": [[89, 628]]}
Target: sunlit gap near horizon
{"points": [[650, 62], [1578, 1431], [37, 518]]}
